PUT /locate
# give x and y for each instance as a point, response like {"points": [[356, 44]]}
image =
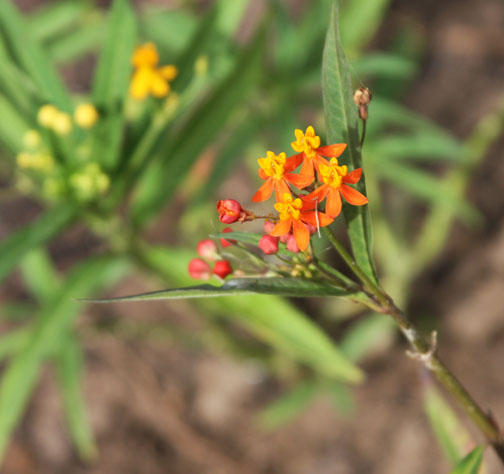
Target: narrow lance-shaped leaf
{"points": [[471, 463], [342, 126]]}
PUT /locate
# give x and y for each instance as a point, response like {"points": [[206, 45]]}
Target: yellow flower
{"points": [[148, 79], [62, 123], [46, 115], [32, 139], [36, 161], [85, 115]]}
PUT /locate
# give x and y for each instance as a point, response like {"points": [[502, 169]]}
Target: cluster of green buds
{"points": [[44, 167]]}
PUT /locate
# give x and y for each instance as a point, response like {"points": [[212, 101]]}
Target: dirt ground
{"points": [[162, 407]]}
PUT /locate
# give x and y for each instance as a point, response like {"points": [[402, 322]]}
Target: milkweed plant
{"points": [[87, 158]]}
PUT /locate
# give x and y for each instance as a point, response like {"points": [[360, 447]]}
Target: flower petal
{"points": [[314, 219], [317, 196], [353, 196], [264, 191], [299, 180], [158, 85], [333, 203], [353, 177], [169, 72], [262, 174], [307, 168], [332, 151], [281, 187], [293, 162], [282, 228], [301, 234], [140, 82]]}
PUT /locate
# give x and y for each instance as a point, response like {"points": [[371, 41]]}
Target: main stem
{"points": [[425, 352]]}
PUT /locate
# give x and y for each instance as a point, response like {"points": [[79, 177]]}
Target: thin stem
{"points": [[425, 352], [363, 136]]}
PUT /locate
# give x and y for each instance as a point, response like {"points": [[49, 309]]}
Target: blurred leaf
{"points": [[359, 21], [12, 341], [428, 146], [50, 223], [70, 371], [32, 57], [341, 397], [364, 336], [229, 14], [383, 64], [342, 127], [13, 129], [449, 432], [286, 407], [21, 375], [294, 287], [111, 81], [39, 274], [271, 319], [55, 18], [425, 187], [471, 463], [200, 130]]}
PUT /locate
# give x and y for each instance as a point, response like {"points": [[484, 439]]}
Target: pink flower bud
{"points": [[199, 269], [224, 242], [207, 249], [312, 229], [284, 238], [268, 227], [222, 268], [268, 244], [229, 210], [292, 245]]}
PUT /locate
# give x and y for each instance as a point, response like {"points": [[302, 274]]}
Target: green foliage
{"points": [[471, 463]]}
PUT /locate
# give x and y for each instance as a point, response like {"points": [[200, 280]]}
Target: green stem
{"points": [[424, 352]]}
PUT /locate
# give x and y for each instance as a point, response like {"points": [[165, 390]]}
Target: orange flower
{"points": [[335, 179], [298, 215], [310, 153], [148, 78], [276, 170]]}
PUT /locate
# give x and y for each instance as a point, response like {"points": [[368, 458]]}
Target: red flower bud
{"points": [[199, 269], [312, 229], [268, 227], [207, 249], [268, 244], [292, 245], [284, 238], [222, 268], [224, 242], [229, 210]]}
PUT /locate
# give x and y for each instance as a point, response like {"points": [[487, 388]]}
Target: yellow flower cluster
{"points": [[59, 122]]}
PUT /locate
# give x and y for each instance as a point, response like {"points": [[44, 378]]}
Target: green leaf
{"points": [[293, 287], [285, 408], [111, 81], [449, 432], [471, 463], [14, 247], [201, 129], [70, 372], [12, 130], [21, 375], [39, 274], [271, 319], [12, 341], [31, 56], [342, 127]]}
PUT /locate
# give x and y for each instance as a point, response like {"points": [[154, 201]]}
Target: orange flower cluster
{"points": [[298, 213]]}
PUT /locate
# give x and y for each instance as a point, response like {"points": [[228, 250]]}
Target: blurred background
{"points": [[213, 388]]}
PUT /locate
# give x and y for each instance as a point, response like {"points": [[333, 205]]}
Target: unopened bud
{"points": [[46, 115], [362, 98], [85, 115], [62, 123], [268, 227], [222, 268], [292, 245], [199, 269], [268, 244], [207, 249], [229, 210]]}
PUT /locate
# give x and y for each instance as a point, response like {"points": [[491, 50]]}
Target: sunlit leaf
{"points": [[471, 463]]}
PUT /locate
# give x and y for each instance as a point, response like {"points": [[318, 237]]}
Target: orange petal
{"points": [[332, 151], [293, 162], [281, 187], [333, 203], [307, 168], [299, 180], [353, 177], [301, 234], [353, 196], [262, 174], [169, 72], [314, 219], [264, 191], [282, 228], [317, 196]]}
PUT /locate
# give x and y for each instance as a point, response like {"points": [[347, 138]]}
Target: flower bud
{"points": [[284, 238], [222, 268], [225, 242], [46, 115], [362, 98], [85, 115], [229, 210], [268, 227], [199, 269], [292, 245], [269, 244], [207, 249], [62, 123]]}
